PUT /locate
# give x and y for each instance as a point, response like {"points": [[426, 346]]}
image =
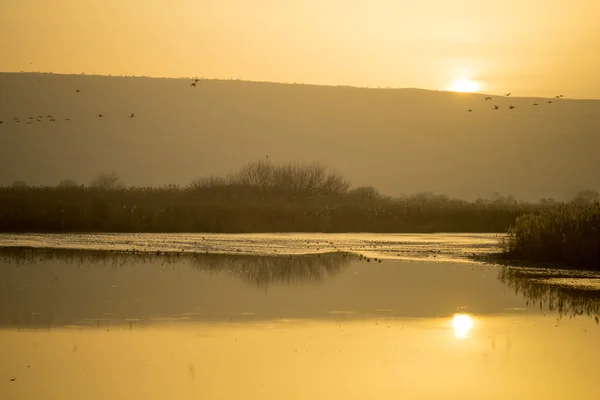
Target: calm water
{"points": [[290, 321]]}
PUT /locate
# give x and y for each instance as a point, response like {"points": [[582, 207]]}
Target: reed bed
{"points": [[260, 197], [568, 234]]}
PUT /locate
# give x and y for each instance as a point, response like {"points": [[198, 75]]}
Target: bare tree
{"points": [[106, 181], [18, 185], [586, 196], [67, 183]]}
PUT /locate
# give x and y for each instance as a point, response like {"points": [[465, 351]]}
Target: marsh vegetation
{"points": [[259, 197], [568, 234]]}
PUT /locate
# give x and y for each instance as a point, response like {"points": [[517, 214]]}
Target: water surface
{"points": [[97, 324]]}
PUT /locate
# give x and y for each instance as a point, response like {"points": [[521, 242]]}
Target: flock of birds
{"points": [[50, 118], [512, 107]]}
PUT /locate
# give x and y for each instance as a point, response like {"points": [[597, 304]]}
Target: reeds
{"points": [[566, 233], [260, 197]]}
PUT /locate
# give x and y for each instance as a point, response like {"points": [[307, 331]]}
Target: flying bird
{"points": [[535, 104], [488, 98], [52, 120], [1, 122], [100, 115], [196, 80], [132, 115], [77, 90], [549, 101], [193, 84], [511, 107], [67, 119], [496, 107], [508, 94], [469, 110]]}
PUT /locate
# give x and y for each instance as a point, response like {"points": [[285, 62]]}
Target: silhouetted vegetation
{"points": [[260, 197], [565, 233], [544, 287]]}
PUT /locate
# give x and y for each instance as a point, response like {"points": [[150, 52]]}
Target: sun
{"points": [[462, 324], [465, 85]]}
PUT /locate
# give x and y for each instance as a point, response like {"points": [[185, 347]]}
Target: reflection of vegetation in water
{"points": [[567, 300], [264, 271], [258, 270]]}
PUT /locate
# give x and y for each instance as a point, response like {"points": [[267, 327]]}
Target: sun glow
{"points": [[462, 324], [465, 85]]}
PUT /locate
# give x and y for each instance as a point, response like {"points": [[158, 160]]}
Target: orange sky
{"points": [[529, 47]]}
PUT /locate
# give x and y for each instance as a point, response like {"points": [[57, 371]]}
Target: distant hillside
{"points": [[398, 140]]}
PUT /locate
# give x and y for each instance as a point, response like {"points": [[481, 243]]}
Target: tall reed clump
{"points": [[259, 197], [566, 233]]}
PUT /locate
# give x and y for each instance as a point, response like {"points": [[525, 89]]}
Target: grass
{"points": [[260, 197], [568, 234]]}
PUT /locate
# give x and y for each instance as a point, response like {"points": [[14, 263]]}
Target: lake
{"points": [[289, 316]]}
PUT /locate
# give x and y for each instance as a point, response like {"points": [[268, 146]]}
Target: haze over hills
{"points": [[401, 141]]}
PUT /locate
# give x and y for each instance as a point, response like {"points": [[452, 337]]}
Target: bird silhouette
{"points": [[558, 97], [496, 107], [193, 84], [469, 110], [508, 94], [67, 119], [488, 98], [511, 107], [1, 122], [132, 115], [77, 90], [549, 101], [100, 115], [52, 120], [30, 118], [535, 104], [196, 80]]}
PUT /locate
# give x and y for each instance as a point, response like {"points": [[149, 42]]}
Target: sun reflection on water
{"points": [[462, 324]]}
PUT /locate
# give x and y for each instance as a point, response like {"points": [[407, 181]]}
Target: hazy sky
{"points": [[529, 47]]}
